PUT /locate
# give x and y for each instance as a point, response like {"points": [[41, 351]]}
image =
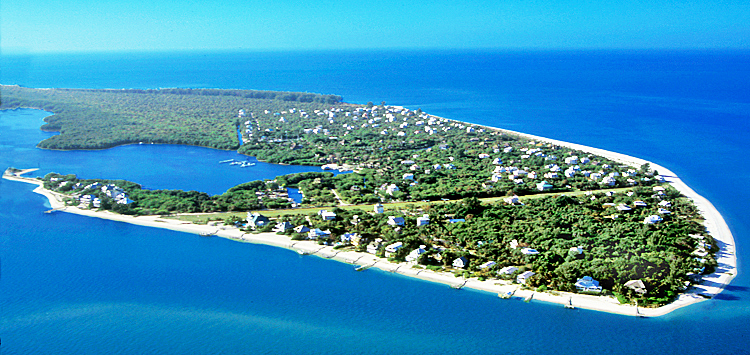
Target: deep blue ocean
{"points": [[76, 285]]}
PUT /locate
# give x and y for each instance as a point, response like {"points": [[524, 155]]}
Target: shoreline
{"points": [[711, 285]]}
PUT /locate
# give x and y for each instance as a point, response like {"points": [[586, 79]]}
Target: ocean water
{"points": [[70, 284]]}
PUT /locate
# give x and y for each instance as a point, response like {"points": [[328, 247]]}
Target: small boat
{"points": [[506, 295], [570, 304], [302, 252], [528, 299], [207, 234], [235, 163], [226, 161]]}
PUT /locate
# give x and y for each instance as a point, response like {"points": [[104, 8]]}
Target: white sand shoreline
{"points": [[711, 286]]}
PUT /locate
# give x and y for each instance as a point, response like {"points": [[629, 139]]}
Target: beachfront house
{"points": [[524, 276], [588, 284], [393, 248], [301, 229], [461, 262], [283, 227], [318, 234], [395, 221], [415, 254], [256, 220], [637, 286]]}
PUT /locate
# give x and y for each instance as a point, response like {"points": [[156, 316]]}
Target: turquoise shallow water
{"points": [[71, 284]]}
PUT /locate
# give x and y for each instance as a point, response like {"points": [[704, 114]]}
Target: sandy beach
{"points": [[712, 284]]}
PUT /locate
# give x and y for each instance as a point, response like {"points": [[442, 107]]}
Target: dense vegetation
{"points": [[97, 119]]}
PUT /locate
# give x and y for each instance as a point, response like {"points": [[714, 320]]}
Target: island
{"points": [[425, 196]]}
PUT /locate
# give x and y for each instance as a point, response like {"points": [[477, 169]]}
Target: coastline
{"points": [[712, 284]]}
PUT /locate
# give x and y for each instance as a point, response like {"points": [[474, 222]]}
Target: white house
{"points": [[523, 277], [301, 229], [414, 255], [609, 181], [663, 211], [573, 160], [317, 233], [487, 265], [623, 207], [423, 221], [639, 204], [460, 262], [652, 219], [392, 248], [511, 200], [327, 215], [508, 270], [543, 186], [529, 251], [395, 221], [409, 177], [391, 189], [283, 227], [378, 208], [588, 284]]}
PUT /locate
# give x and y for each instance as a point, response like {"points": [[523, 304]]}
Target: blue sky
{"points": [[82, 25]]}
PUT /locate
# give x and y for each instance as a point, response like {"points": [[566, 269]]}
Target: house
{"points": [[373, 247], [256, 220], [487, 265], [347, 237], [283, 227], [301, 229], [423, 221], [665, 203], [571, 160], [588, 284], [508, 270], [609, 181], [409, 177], [623, 207], [511, 200], [415, 254], [637, 286], [327, 215], [395, 221], [524, 276], [576, 250], [390, 189], [529, 251], [652, 219], [543, 186], [378, 208], [392, 248], [640, 204], [456, 220], [461, 262], [663, 211], [318, 234]]}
